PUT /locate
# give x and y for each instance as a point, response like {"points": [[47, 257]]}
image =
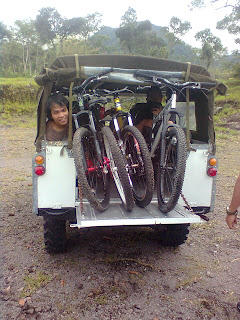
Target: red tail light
{"points": [[212, 172], [39, 170]]}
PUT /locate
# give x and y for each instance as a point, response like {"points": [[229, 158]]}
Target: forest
{"points": [[32, 44]]}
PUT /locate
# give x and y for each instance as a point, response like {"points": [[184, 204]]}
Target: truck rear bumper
{"points": [[116, 215]]}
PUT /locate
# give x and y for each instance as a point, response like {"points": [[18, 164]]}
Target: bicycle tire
{"points": [[93, 176], [170, 175], [118, 168], [139, 165]]}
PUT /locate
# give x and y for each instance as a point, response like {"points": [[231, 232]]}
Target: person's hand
{"points": [[232, 221]]}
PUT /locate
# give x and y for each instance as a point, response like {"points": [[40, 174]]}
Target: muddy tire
{"points": [[54, 234], [173, 235]]}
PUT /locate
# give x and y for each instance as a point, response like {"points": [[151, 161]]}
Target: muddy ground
{"points": [[115, 273]]}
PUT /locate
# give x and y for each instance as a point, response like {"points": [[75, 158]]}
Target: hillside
{"points": [[182, 51]]}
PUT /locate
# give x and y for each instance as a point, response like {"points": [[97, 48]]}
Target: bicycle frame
{"points": [[92, 127], [163, 117]]}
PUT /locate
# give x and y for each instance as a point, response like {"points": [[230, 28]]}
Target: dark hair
{"points": [[154, 89], [55, 98]]}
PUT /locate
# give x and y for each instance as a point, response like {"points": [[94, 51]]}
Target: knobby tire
{"points": [[93, 176], [170, 175], [118, 168], [139, 165]]}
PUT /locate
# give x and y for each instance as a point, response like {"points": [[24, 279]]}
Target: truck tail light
{"points": [[39, 159], [39, 170], [212, 161], [212, 172]]}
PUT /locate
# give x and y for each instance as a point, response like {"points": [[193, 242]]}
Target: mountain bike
{"points": [[97, 154], [168, 144], [134, 148]]}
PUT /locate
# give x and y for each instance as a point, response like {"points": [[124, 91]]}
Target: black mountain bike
{"points": [[168, 145], [133, 146], [97, 155]]}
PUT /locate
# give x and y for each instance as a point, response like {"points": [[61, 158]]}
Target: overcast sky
{"points": [[159, 12]]}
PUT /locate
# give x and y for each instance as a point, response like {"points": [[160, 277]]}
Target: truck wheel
{"points": [[118, 168], [139, 165], [93, 175], [54, 234], [170, 174], [173, 235]]}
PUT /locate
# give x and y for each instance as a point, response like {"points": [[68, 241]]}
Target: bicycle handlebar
{"points": [[91, 79], [158, 80]]}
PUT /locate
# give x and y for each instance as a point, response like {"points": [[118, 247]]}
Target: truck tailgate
{"points": [[116, 215]]}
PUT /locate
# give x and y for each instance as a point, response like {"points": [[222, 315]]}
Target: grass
{"points": [[17, 81], [13, 108], [19, 121], [34, 282], [233, 92], [18, 96], [230, 105]]}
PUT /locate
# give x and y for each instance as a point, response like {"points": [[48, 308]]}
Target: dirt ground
{"points": [[115, 273]]}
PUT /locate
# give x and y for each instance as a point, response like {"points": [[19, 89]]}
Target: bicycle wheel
{"points": [[170, 175], [118, 168], [139, 165], [93, 175]]}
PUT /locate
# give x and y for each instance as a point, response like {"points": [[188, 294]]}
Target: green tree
{"points": [[173, 32], [5, 34], [80, 26], [211, 46], [231, 22], [126, 30], [178, 27], [138, 37], [150, 44], [11, 62], [25, 34], [48, 24]]}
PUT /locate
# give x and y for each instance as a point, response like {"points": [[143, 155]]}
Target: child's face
{"points": [[59, 114]]}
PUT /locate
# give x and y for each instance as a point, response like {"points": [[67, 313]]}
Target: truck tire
{"points": [[92, 176], [139, 165], [173, 235], [170, 174], [54, 234], [118, 168]]}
